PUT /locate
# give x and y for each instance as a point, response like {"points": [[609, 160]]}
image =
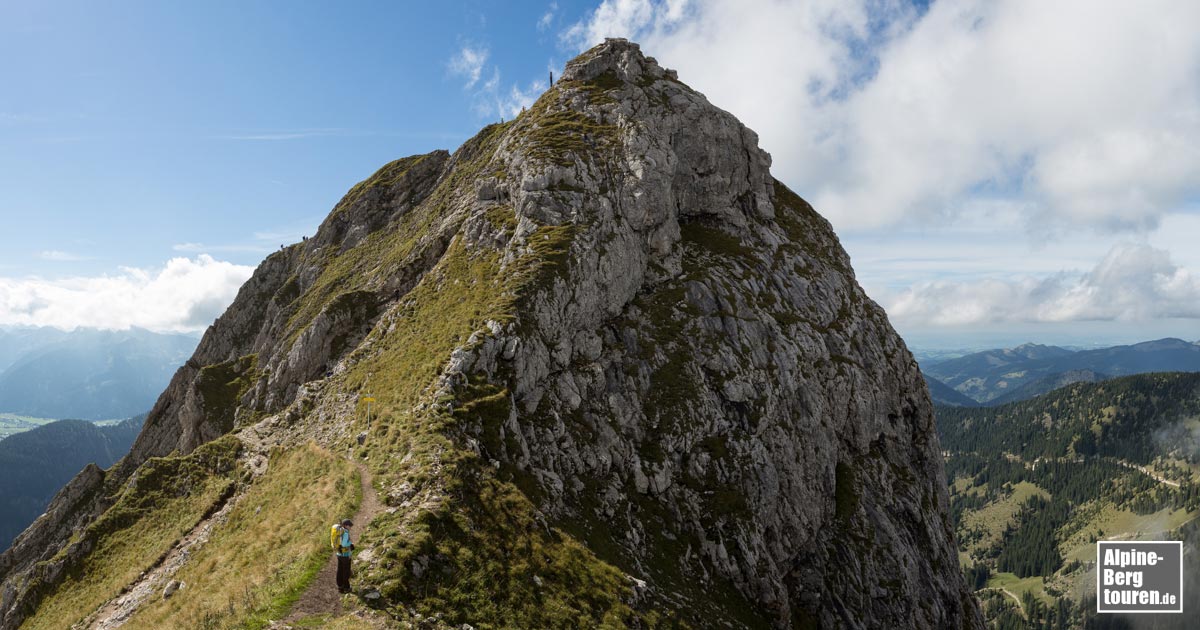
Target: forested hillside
{"points": [[1035, 483], [35, 464]]}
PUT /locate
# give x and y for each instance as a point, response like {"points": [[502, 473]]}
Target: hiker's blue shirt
{"points": [[344, 543]]}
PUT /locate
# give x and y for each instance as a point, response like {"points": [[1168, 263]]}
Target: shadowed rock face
{"points": [[690, 383], [707, 376]]}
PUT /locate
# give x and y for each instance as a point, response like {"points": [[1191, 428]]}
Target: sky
{"points": [[999, 171]]}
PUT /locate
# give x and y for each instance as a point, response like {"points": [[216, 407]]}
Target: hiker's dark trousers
{"points": [[343, 574]]}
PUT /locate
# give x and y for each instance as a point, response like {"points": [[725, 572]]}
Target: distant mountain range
{"points": [[36, 463], [943, 394], [86, 373], [1000, 376]]}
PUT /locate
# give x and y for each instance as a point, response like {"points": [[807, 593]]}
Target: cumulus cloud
{"points": [[468, 63], [1132, 283], [1085, 112], [185, 295]]}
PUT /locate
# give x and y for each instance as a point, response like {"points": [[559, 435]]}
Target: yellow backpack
{"points": [[335, 536]]}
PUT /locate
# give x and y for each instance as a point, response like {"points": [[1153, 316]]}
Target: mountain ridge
{"points": [[89, 374], [1047, 384], [34, 464], [621, 376], [986, 375]]}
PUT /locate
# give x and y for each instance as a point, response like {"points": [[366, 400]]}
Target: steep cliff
{"points": [[622, 378]]}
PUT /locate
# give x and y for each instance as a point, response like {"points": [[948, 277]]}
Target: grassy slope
{"points": [[167, 498], [269, 550], [1019, 586], [486, 549], [999, 514], [491, 559], [1110, 523]]}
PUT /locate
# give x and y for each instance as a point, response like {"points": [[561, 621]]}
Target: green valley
{"points": [[1035, 484], [11, 424]]}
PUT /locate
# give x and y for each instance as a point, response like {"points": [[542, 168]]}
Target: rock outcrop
{"points": [[623, 377]]}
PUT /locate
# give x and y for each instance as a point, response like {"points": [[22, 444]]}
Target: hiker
{"points": [[340, 539]]}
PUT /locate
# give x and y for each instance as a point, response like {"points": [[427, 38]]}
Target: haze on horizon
{"points": [[1000, 172]]}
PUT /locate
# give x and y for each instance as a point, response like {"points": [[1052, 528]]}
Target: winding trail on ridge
{"points": [[321, 597]]}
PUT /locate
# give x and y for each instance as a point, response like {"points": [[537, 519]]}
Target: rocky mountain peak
{"points": [[619, 58], [614, 365]]}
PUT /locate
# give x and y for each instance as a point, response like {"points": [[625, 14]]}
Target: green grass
{"points": [[387, 176], [1019, 586], [1110, 523], [485, 547], [489, 553], [391, 252], [966, 485], [222, 386], [164, 501], [256, 565], [717, 241], [558, 133], [11, 424], [993, 518]]}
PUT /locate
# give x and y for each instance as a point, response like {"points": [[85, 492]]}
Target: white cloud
{"points": [[186, 295], [1132, 283], [509, 104], [622, 17], [469, 63], [55, 255], [1085, 113], [547, 18], [491, 99]]}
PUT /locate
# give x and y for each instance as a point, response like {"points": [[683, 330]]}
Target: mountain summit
{"points": [[619, 376]]}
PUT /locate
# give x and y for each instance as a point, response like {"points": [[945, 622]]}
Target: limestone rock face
{"points": [[707, 377], [682, 375]]}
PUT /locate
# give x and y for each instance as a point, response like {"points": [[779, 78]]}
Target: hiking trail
{"points": [[322, 597]]}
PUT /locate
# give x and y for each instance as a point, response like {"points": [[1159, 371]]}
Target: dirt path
{"points": [[115, 612], [322, 597], [1032, 465], [1020, 606], [1149, 473], [118, 610]]}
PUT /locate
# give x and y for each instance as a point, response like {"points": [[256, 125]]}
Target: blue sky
{"points": [[998, 171], [129, 128]]}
